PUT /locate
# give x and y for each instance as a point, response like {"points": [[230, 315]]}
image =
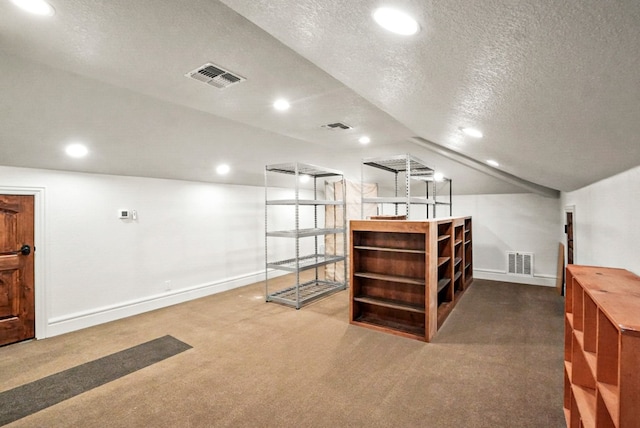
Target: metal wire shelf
{"points": [[303, 293], [306, 262], [302, 233], [412, 169]]}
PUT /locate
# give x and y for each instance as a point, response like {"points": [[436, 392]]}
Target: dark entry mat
{"points": [[27, 399]]}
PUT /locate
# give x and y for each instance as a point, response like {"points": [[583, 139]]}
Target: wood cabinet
{"points": [[406, 276], [602, 347]]}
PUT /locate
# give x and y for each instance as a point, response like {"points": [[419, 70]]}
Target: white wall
{"points": [[193, 239], [605, 226], [521, 222], [190, 239]]}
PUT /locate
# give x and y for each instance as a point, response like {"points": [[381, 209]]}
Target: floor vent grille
{"points": [[214, 75], [519, 263]]}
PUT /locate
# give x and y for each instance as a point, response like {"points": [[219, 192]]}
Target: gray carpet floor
{"points": [[32, 397], [496, 362]]}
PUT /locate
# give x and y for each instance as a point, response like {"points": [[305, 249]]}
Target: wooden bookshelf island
{"points": [[406, 276]]}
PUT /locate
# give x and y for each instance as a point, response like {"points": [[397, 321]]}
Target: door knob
{"points": [[25, 250]]}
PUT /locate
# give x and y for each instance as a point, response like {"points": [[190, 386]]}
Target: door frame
{"points": [[570, 209], [38, 194]]}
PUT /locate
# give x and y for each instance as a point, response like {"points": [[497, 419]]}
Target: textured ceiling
{"points": [[554, 87]]}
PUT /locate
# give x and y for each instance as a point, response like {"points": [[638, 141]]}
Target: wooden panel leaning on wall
{"points": [[406, 276]]}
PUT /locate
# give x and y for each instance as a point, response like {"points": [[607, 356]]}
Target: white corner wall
{"points": [[190, 240], [605, 228], [522, 222]]}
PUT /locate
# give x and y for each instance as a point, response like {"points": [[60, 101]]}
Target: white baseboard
{"points": [[496, 275], [80, 320]]}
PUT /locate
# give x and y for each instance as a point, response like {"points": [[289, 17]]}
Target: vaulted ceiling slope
{"points": [[555, 88]]}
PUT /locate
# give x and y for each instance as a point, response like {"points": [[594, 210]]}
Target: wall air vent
{"points": [[215, 76], [337, 125], [520, 263]]}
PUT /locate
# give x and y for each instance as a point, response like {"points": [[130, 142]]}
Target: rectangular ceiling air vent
{"points": [[215, 76], [337, 125], [520, 263]]}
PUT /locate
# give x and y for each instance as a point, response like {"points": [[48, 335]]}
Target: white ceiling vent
{"points": [[520, 263], [337, 125], [215, 76]]}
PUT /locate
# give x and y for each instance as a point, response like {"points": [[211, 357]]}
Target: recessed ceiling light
{"points": [[304, 178], [76, 150], [472, 132], [223, 169], [281, 104], [37, 7], [364, 140], [493, 163], [438, 176], [396, 21]]}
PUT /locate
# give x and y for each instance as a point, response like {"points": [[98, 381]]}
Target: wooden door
{"points": [[17, 298], [569, 231]]}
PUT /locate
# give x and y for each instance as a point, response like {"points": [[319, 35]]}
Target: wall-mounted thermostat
{"points": [[124, 214]]}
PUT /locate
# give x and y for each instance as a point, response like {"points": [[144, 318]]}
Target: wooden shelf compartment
{"points": [[390, 278], [567, 385], [457, 261], [390, 240], [443, 238], [568, 338], [386, 325], [608, 351], [468, 253], [457, 242], [590, 323], [445, 307], [446, 295], [389, 318], [567, 391], [578, 312], [585, 399], [568, 292], [444, 227], [443, 260], [444, 248], [442, 283], [590, 357], [393, 304], [393, 250], [392, 264], [608, 407], [371, 289], [583, 374]]}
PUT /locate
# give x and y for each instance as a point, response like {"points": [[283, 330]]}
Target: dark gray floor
{"points": [[24, 400]]}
